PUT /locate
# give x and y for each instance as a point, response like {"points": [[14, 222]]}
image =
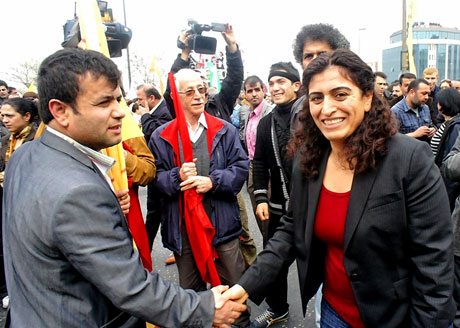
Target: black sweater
{"points": [[270, 161]]}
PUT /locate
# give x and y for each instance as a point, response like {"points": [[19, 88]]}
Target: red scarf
{"points": [[199, 228], [136, 222]]}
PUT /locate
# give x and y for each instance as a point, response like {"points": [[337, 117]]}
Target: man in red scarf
{"points": [[217, 172]]}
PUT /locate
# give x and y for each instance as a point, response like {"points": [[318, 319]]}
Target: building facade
{"points": [[433, 46]]}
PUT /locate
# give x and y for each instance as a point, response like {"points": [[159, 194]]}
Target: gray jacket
{"points": [[295, 112], [450, 169], [69, 256]]}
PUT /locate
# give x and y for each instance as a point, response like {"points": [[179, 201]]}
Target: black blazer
{"points": [[397, 244]]}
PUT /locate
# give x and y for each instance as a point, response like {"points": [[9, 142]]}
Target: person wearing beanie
{"points": [[271, 165]]}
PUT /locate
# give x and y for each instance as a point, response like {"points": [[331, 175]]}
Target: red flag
{"points": [[136, 223], [199, 228]]}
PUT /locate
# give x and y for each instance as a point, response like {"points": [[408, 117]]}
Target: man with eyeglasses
{"points": [[218, 172], [221, 104], [250, 117]]}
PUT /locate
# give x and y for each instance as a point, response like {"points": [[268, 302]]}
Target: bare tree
{"points": [[141, 71], [24, 73]]}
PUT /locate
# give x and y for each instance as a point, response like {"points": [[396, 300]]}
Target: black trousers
{"points": [[3, 291], [277, 295], [153, 217]]}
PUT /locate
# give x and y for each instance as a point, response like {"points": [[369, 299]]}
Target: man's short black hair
{"points": [[252, 81], [152, 92], [380, 74], [406, 76], [318, 32], [415, 83], [59, 76], [3, 83]]}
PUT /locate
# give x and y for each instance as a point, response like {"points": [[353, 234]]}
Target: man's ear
{"points": [[297, 86], [60, 111]]}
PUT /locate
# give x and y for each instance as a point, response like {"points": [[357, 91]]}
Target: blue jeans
{"points": [[330, 318]]}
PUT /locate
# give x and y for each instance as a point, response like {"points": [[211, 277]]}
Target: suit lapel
{"points": [[360, 190], [61, 145], [314, 191]]}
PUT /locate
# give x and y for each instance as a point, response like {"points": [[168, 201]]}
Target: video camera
{"points": [[197, 42], [117, 35]]}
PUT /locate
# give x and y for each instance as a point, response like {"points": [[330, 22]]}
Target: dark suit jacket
{"points": [[69, 256], [150, 122], [397, 244]]}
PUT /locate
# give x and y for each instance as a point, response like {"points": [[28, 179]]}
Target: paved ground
{"points": [[296, 319]]}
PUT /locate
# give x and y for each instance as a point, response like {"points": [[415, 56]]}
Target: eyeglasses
{"points": [[191, 92]]}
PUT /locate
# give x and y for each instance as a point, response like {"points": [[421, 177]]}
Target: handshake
{"points": [[228, 304]]}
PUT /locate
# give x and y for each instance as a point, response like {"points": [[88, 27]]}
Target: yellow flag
{"points": [[93, 38], [155, 69], [32, 88], [411, 16]]}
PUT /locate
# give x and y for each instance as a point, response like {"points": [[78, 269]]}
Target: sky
{"points": [[265, 30]]}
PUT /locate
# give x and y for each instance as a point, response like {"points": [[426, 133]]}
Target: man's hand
{"points": [[144, 107], [226, 311], [202, 184], [262, 211], [229, 37], [237, 294], [183, 37], [187, 170], [123, 199], [420, 132]]}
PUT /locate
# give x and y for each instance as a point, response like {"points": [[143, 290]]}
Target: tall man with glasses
{"points": [[221, 105], [218, 172]]}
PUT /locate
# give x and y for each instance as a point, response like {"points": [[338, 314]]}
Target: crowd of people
{"points": [[356, 180]]}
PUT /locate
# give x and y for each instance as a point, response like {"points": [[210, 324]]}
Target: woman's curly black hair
{"points": [[368, 142]]}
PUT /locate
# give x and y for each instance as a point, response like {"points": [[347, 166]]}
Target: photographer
{"points": [[221, 104]]}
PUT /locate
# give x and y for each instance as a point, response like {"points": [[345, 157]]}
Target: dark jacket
{"points": [[78, 251], [228, 170], [450, 170], [220, 105], [150, 122], [268, 167], [448, 138], [397, 242]]}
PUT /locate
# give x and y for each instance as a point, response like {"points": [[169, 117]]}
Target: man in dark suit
{"points": [[65, 233], [154, 113], [154, 110]]}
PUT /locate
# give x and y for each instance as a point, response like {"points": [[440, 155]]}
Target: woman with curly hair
{"points": [[369, 215]]}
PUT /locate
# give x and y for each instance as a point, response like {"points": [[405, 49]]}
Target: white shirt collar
{"points": [[103, 162], [194, 135]]}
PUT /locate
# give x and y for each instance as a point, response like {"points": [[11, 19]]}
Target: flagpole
{"points": [[127, 49]]}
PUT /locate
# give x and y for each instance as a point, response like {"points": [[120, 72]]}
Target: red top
{"points": [[330, 228]]}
